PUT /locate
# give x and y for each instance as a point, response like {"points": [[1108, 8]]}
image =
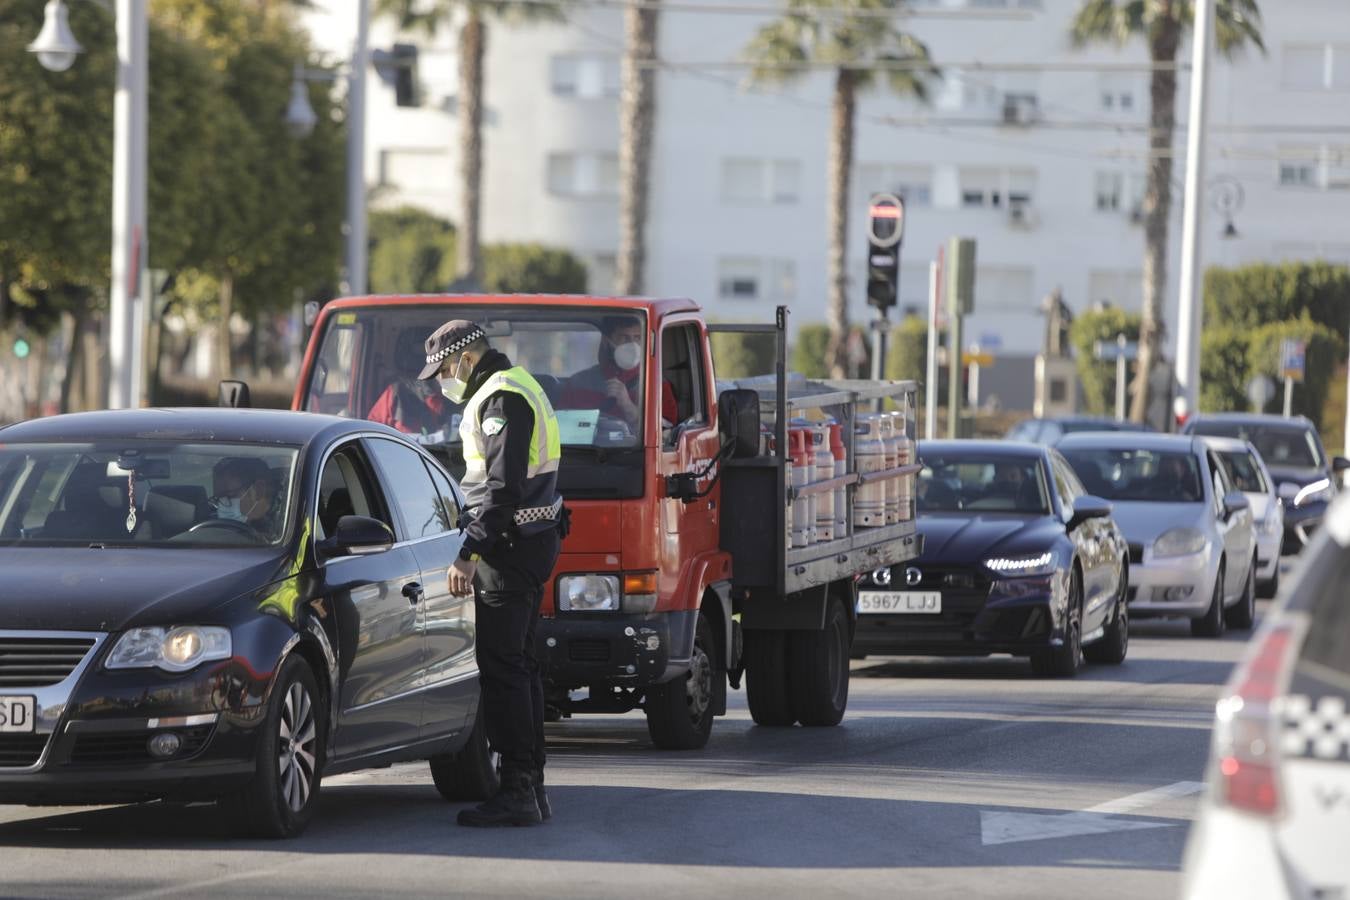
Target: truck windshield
{"points": [[589, 361]]}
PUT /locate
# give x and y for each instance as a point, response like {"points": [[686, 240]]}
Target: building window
{"points": [[913, 184], [1117, 91], [754, 278], [1318, 167], [585, 77], [1111, 287], [583, 174], [761, 181], [995, 188], [1005, 289], [1119, 192], [1315, 67]]}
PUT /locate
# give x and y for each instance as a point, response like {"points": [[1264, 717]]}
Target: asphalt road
{"points": [[947, 778]]}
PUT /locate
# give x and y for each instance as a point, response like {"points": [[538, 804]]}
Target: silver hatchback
{"points": [[1190, 531]]}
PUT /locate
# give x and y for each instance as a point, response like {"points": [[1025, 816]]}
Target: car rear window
{"points": [[1291, 446]]}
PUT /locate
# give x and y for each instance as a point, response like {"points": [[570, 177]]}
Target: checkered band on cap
{"points": [[457, 343]]}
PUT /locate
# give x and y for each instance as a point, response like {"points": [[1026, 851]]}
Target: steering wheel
{"points": [[241, 528]]}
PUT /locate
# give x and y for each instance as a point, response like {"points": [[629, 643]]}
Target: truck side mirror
{"points": [[233, 394], [738, 421]]}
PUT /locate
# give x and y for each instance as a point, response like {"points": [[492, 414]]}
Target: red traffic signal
{"points": [[885, 220]]}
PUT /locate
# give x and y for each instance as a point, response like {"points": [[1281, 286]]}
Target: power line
{"points": [[820, 11], [914, 66]]}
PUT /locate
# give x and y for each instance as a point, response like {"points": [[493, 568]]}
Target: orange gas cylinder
{"points": [[840, 470]]}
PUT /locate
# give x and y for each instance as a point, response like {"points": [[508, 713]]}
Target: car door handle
{"points": [[413, 591]]}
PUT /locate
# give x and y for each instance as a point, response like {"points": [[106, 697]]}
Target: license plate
{"points": [[17, 715], [899, 602]]}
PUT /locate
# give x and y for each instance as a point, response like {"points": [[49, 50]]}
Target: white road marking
{"points": [[1000, 827]]}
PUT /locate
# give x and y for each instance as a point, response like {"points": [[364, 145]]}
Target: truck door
{"points": [[689, 440]]}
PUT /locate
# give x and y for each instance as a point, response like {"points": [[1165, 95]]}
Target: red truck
{"points": [[679, 573]]}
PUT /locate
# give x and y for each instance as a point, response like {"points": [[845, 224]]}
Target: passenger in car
{"points": [[409, 404]]}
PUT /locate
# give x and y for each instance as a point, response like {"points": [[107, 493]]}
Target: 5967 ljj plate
{"points": [[900, 602]]}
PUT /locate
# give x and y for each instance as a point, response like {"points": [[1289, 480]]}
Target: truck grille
{"points": [[39, 661], [588, 650], [19, 751], [132, 747]]}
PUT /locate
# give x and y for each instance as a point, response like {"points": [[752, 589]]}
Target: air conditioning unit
{"points": [[1021, 109], [1021, 214]]}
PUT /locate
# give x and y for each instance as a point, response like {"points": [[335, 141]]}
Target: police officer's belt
{"points": [[539, 513]]}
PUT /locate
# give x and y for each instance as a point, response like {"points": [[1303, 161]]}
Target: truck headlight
{"points": [[175, 649], [1179, 542], [588, 593]]}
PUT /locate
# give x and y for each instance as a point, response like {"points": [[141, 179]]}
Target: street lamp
{"points": [[56, 47]]}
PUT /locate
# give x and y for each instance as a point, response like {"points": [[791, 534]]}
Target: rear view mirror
{"points": [[1088, 507], [738, 421], [233, 394], [1339, 464], [357, 536], [1235, 502]]}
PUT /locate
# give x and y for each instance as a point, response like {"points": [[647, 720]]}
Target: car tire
{"points": [[1269, 590], [1115, 642], [818, 670], [1243, 615], [280, 800], [766, 677], [471, 774], [680, 712], [1063, 661], [1210, 625]]}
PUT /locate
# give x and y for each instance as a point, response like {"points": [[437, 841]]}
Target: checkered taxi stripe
{"points": [[1317, 729]]}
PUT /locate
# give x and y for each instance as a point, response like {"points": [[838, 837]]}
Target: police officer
{"points": [[511, 453]]}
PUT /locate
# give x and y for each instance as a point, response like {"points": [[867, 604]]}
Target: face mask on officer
{"points": [[455, 385]]}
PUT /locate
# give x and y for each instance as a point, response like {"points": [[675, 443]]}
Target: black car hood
{"points": [[963, 538], [1298, 476], [82, 589]]}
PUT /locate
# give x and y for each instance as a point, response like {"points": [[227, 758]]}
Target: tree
{"points": [[431, 17], [1097, 378], [532, 269], [1324, 351], [907, 356], [861, 48], [637, 122], [1162, 24], [743, 355], [1254, 295], [808, 351], [411, 252]]}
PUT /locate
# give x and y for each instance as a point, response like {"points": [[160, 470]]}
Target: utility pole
{"points": [[1121, 342], [1190, 306], [935, 295], [356, 153]]}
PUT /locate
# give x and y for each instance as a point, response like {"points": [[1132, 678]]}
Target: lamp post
{"points": [[56, 49]]}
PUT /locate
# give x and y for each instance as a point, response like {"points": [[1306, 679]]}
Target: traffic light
{"points": [[885, 231], [21, 348], [398, 68]]}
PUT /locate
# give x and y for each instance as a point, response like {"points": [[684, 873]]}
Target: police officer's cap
{"points": [[448, 340]]}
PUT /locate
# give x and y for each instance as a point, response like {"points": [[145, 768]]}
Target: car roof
{"points": [[1006, 449], [1128, 440], [1258, 420], [1225, 444], [262, 426]]}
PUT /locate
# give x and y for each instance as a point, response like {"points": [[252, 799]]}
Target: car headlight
{"points": [[171, 649], [1319, 491], [1041, 564], [1179, 542], [1273, 523]]}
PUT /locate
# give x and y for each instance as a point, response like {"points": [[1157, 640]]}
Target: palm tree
{"points": [[637, 121], [473, 34], [1162, 24], [858, 42]]}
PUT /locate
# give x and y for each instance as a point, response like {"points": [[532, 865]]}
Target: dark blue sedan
{"points": [[228, 605], [1017, 558]]}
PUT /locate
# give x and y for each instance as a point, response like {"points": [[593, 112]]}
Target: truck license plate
{"points": [[899, 602], [16, 715]]}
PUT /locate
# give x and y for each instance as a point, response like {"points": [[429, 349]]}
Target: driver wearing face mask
{"points": [[242, 491], [614, 385]]}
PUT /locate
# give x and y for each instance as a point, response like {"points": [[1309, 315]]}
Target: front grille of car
{"points": [[37, 661], [19, 751], [588, 650], [132, 747], [1136, 553], [964, 592]]}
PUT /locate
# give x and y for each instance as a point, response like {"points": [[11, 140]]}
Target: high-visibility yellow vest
{"points": [[539, 501]]}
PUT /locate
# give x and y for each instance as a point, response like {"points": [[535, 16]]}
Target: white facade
{"points": [[1042, 164]]}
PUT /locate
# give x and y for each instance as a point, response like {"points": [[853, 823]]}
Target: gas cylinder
{"points": [[822, 470], [892, 485], [803, 509], [840, 470], [869, 453]]}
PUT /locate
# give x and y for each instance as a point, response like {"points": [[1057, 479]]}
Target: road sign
{"points": [[1293, 359], [1260, 391], [1111, 350], [977, 358], [991, 340]]}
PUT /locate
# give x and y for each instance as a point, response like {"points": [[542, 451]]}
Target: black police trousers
{"points": [[508, 588]]}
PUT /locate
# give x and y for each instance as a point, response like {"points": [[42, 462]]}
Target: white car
{"points": [[1276, 820], [1249, 474]]}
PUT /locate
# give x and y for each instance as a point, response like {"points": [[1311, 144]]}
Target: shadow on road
{"points": [[1143, 671]]}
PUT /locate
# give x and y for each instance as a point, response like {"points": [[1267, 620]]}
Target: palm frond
{"points": [[1237, 23], [520, 11], [413, 16], [780, 50]]}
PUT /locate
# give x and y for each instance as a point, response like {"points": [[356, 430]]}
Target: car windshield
{"points": [[982, 484], [1279, 445], [145, 493], [1244, 472], [1143, 475], [369, 358]]}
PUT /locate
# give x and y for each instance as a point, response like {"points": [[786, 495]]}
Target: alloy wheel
{"points": [[296, 764]]}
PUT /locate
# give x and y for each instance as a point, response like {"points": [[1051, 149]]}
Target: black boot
{"points": [[541, 796], [514, 804]]}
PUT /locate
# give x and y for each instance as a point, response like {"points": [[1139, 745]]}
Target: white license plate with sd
{"points": [[17, 715], [899, 602]]}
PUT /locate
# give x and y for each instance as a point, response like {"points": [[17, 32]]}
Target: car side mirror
{"points": [[1339, 464], [357, 536], [1235, 502], [738, 422], [1088, 507], [233, 395]]}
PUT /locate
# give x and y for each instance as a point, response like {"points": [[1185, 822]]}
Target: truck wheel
{"points": [[818, 669], [680, 712], [472, 773], [766, 677]]}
